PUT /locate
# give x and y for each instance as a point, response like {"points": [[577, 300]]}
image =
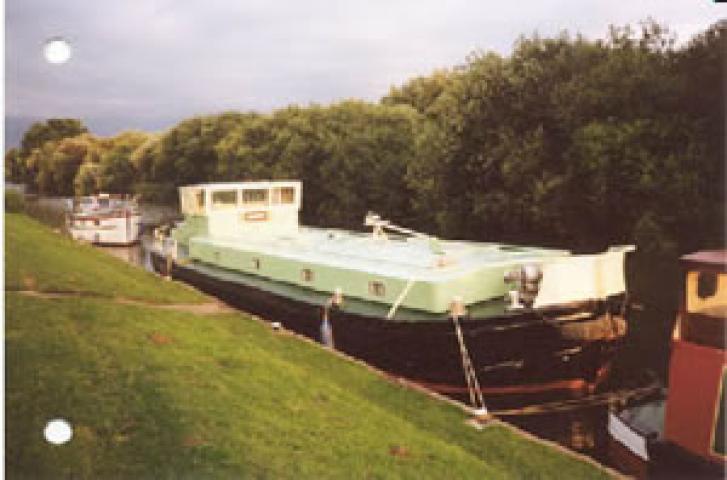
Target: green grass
{"points": [[14, 201], [38, 259], [164, 394]]}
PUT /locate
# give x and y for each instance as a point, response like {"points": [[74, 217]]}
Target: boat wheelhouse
{"points": [[104, 219], [683, 433], [528, 313]]}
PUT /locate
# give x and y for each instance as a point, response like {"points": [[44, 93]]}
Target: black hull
{"points": [[517, 359]]}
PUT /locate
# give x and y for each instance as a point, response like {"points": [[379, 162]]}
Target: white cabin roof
{"points": [[250, 184]]}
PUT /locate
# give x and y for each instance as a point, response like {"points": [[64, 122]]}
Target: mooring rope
{"points": [[605, 398], [473, 385], [402, 295]]}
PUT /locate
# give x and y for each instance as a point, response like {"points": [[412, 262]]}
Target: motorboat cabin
{"points": [[104, 219]]}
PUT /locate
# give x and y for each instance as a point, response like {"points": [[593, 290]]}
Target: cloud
{"points": [[148, 63]]}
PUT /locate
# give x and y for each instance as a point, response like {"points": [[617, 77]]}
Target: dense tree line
{"points": [[578, 142], [567, 142]]}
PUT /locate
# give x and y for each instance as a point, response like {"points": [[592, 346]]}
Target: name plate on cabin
{"points": [[256, 216]]}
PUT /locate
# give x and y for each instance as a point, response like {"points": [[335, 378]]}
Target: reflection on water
{"points": [[582, 429], [136, 254]]}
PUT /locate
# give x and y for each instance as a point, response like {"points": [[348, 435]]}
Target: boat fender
{"points": [[332, 305], [326, 327]]}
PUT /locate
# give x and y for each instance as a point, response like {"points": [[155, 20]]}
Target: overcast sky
{"points": [[150, 63]]}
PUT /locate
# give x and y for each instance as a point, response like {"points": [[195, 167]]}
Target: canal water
{"points": [[134, 254]]}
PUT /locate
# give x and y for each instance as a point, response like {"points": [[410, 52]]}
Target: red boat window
{"points": [[706, 284], [705, 319]]}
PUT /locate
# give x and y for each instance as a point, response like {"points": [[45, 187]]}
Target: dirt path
{"points": [[207, 308]]}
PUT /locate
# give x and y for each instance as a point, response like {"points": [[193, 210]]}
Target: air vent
{"points": [[377, 289]]}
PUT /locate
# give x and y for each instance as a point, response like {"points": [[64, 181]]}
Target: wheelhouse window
{"points": [[224, 199], [377, 289], [283, 196], [255, 197], [287, 195], [193, 201]]}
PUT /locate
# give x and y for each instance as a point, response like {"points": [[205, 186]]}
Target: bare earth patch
{"points": [[160, 339], [29, 282], [208, 308]]}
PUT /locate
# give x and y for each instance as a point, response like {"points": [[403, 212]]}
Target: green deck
{"points": [[352, 261]]}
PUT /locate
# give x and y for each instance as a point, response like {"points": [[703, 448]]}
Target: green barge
{"points": [[529, 316]]}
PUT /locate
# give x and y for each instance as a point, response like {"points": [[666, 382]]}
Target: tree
{"points": [[421, 92], [700, 65], [14, 166], [49, 130], [574, 142], [115, 170], [186, 153], [351, 156]]}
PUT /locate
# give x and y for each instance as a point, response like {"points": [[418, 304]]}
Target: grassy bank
{"points": [[37, 259], [168, 394]]}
